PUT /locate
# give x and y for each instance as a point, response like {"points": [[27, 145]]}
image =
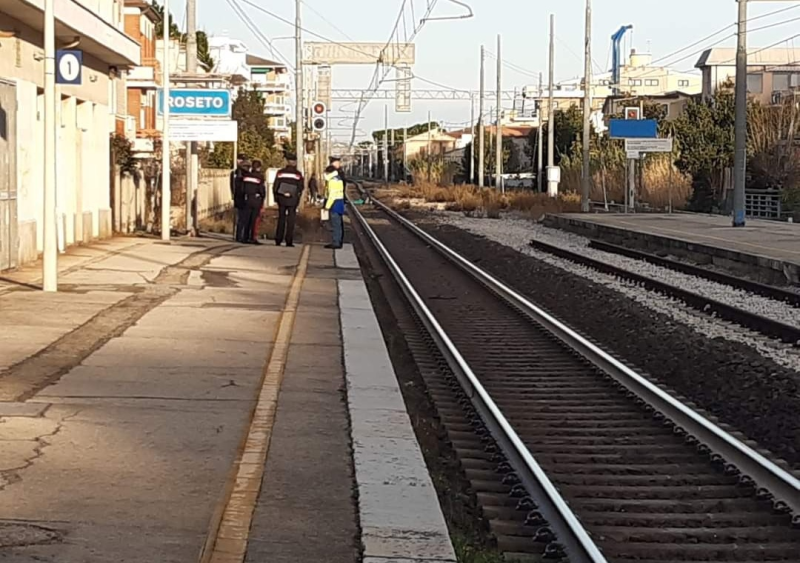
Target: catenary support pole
{"points": [[586, 176], [740, 150], [192, 160], [386, 144], [481, 127], [473, 155], [498, 158], [429, 146], [552, 185], [166, 171], [540, 138], [299, 92], [50, 246]]}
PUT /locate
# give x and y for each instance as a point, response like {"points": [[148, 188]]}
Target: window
{"points": [[651, 82], [634, 81], [755, 83], [683, 83]]}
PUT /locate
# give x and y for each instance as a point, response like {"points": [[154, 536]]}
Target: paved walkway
{"points": [[189, 402]]}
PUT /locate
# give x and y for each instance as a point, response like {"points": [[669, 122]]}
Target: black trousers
{"points": [[287, 214], [245, 224]]}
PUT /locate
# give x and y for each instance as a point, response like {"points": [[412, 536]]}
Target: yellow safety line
{"points": [[691, 234], [230, 543]]}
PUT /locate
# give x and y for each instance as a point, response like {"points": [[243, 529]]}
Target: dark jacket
{"points": [[288, 186], [237, 187], [255, 191]]}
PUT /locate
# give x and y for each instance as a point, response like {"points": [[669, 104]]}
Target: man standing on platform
{"points": [[287, 189], [237, 193], [255, 192], [334, 200]]}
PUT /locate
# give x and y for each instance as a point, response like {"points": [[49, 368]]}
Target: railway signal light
{"points": [[318, 119]]}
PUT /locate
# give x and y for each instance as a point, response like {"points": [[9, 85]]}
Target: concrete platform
{"points": [[263, 361], [767, 251]]}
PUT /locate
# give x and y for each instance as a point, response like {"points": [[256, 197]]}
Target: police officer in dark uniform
{"points": [[255, 192], [287, 189], [237, 192]]}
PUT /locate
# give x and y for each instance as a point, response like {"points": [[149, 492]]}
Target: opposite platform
{"points": [[768, 251]]}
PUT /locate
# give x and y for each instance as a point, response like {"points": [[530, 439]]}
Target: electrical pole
{"points": [[392, 166], [539, 138], [429, 146], [552, 185], [299, 92], [481, 128], [192, 161], [586, 177], [472, 124], [498, 163], [405, 138], [386, 144], [740, 154], [166, 171], [50, 244]]}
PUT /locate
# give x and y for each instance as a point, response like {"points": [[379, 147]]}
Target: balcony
{"points": [[271, 86], [273, 108], [99, 37], [147, 76]]}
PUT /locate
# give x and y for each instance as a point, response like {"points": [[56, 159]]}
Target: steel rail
{"points": [[569, 531], [764, 290], [782, 485], [770, 327]]}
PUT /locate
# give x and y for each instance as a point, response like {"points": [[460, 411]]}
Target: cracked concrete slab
{"points": [[26, 410]]}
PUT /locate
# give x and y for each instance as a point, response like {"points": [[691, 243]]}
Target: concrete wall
{"points": [[214, 192]]}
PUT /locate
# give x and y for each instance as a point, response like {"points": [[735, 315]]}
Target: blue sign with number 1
{"points": [[69, 67]]}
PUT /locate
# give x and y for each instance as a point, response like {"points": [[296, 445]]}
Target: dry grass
{"points": [[486, 202], [660, 178]]}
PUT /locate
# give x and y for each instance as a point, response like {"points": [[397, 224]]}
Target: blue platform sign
{"points": [[69, 66], [633, 128], [196, 103]]}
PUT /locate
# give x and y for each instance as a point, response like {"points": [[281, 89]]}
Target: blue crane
{"points": [[616, 57]]}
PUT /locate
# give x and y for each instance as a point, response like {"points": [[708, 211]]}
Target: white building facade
{"points": [[88, 115]]}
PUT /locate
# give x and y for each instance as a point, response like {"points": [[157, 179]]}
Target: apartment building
{"points": [[87, 115], [272, 79], [771, 73], [143, 80]]}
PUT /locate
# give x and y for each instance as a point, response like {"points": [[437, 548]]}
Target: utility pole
{"points": [[299, 92], [405, 138], [740, 154], [166, 171], [50, 254], [586, 177], [192, 160], [539, 138], [472, 124], [481, 128], [392, 166], [386, 144], [429, 146], [498, 162], [552, 184]]}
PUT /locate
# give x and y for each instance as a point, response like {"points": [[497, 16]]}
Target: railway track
{"points": [[769, 327], [757, 288], [571, 454]]}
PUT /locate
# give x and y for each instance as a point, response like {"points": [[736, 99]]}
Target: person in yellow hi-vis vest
{"points": [[334, 200]]}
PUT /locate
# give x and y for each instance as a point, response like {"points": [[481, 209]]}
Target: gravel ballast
{"points": [[742, 379]]}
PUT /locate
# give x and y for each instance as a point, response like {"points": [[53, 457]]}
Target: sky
{"points": [[448, 51]]}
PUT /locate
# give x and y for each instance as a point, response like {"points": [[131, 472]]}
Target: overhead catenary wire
{"points": [[234, 4]]}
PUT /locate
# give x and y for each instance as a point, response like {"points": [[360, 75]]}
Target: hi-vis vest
{"points": [[334, 189]]}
